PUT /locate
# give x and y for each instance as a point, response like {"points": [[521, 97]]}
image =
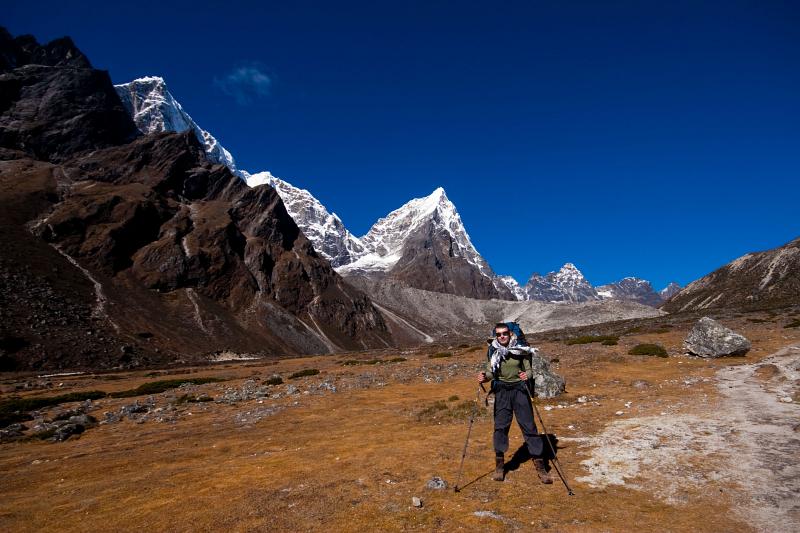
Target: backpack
{"points": [[514, 328]]}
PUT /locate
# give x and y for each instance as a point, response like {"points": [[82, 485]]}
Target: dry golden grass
{"points": [[352, 460]]}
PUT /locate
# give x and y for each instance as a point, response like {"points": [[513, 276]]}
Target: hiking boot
{"points": [[541, 470], [499, 468]]}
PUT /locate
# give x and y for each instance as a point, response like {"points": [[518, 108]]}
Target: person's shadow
{"points": [[522, 454]]}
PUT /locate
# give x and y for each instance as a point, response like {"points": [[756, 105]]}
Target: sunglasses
{"points": [[503, 334]]}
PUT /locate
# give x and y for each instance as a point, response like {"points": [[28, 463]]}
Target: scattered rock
{"points": [[709, 338], [250, 390], [12, 432], [640, 384], [787, 399], [325, 385], [416, 502], [66, 431], [436, 483], [492, 515]]}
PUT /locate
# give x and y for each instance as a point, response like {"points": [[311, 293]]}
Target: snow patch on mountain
{"points": [[154, 109], [325, 230], [669, 291], [512, 285], [632, 289]]}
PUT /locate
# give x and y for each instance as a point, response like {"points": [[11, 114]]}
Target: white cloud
{"points": [[245, 83]]}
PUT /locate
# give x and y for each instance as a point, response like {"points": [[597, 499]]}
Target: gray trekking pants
{"points": [[512, 398]]}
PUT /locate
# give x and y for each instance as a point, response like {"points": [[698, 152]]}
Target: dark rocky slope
{"points": [[431, 262], [125, 250], [756, 280]]}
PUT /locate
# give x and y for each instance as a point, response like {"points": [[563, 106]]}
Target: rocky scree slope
{"points": [[176, 255], [756, 280]]}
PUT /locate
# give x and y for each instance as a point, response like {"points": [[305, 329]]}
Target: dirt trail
{"points": [[744, 444], [765, 439]]}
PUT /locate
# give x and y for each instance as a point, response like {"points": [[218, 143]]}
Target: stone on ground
{"points": [[711, 339]]}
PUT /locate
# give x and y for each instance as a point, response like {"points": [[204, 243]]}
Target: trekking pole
{"points": [[556, 462], [469, 430]]}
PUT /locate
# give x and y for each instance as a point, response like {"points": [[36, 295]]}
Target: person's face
{"points": [[503, 336]]}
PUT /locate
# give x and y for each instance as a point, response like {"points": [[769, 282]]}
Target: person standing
{"points": [[508, 368]]}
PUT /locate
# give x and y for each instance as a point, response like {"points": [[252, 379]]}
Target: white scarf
{"points": [[501, 352]]}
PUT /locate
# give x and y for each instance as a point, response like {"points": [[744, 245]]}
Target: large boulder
{"points": [[709, 338], [547, 384]]}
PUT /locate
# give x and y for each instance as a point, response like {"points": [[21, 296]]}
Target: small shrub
{"points": [[397, 360], [273, 380], [758, 320], [453, 398], [609, 342], [355, 362], [155, 387], [462, 346], [648, 349], [432, 410], [587, 339], [305, 372], [440, 355], [793, 324]]}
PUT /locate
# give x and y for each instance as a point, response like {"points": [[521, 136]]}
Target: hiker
{"points": [[509, 368]]}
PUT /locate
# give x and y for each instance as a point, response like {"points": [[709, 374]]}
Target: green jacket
{"points": [[510, 368]]}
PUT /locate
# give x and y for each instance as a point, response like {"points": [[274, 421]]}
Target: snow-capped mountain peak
{"points": [[512, 285], [669, 291], [632, 289], [386, 238], [566, 285], [154, 109], [388, 234]]}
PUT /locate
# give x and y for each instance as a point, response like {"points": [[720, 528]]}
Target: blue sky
{"points": [[659, 140]]}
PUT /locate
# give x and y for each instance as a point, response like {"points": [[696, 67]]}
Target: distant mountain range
{"points": [[423, 243], [125, 245]]}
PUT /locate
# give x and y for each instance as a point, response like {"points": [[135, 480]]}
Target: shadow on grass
{"points": [[522, 455], [461, 488]]}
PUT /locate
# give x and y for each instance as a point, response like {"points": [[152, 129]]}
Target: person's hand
{"points": [[482, 377], [523, 376]]}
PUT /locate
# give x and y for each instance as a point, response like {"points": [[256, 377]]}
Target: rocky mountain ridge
{"points": [[142, 243], [755, 280], [448, 262], [633, 289]]}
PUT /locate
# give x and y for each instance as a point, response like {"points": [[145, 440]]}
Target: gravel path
{"points": [[749, 440]]}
